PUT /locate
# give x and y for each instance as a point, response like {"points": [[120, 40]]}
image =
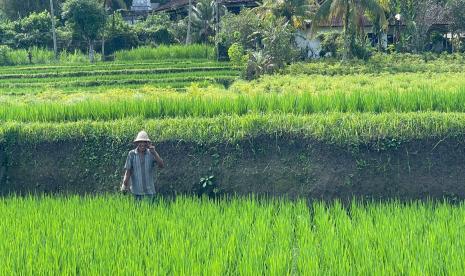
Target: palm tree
{"points": [[114, 4], [295, 11], [110, 6], [205, 16], [352, 13], [189, 25]]}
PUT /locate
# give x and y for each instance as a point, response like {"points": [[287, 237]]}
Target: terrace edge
{"points": [[285, 165]]}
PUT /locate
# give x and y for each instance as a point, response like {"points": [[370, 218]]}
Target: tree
{"points": [[16, 9], [457, 14], [238, 28], [110, 6], [34, 30], [295, 11], [87, 19], [277, 36], [113, 5], [204, 14], [119, 35], [156, 29], [352, 13], [189, 25], [418, 16]]}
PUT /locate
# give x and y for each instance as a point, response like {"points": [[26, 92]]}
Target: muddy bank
{"points": [[290, 166], [2, 167]]}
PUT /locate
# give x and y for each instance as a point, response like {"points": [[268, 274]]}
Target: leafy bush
{"points": [[239, 28], [331, 44], [236, 55], [34, 31], [379, 63], [5, 55], [155, 30], [119, 35]]}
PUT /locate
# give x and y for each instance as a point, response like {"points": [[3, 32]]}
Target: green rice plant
{"points": [[72, 67], [110, 234], [200, 102], [345, 129], [43, 56], [94, 73], [163, 52]]}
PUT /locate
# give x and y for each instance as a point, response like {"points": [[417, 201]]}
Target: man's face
{"points": [[142, 146]]}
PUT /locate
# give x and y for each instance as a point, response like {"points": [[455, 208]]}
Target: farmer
{"points": [[140, 166]]}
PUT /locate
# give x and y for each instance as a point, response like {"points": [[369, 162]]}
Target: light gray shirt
{"points": [[142, 166]]}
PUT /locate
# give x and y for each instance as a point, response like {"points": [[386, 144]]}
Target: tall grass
{"points": [[115, 235], [42, 56], [163, 52], [108, 66], [163, 104], [338, 128]]}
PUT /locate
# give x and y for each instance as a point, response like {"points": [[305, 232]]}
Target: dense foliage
{"points": [[251, 28]]}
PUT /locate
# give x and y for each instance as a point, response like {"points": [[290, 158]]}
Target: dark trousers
{"points": [[147, 198]]}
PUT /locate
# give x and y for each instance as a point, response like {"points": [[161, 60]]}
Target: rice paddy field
{"points": [[72, 78], [91, 112], [239, 236]]}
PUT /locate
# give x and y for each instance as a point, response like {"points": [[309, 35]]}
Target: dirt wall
{"points": [[2, 167], [290, 166]]}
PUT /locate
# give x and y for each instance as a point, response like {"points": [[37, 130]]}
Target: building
{"points": [[434, 21], [140, 9], [141, 5], [181, 6]]}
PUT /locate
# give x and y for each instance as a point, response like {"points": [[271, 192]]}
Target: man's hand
{"points": [[124, 188], [160, 162]]}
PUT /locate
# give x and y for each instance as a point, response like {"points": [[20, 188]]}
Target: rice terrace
{"points": [[232, 137]]}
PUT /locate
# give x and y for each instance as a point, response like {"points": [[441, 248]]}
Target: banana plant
{"points": [[352, 13]]}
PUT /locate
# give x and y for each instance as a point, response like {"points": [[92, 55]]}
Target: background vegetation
{"points": [[263, 32]]}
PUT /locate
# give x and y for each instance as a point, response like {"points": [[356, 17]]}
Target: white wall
{"points": [[312, 45]]}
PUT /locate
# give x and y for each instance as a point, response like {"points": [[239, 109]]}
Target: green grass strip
{"points": [[338, 128], [162, 104]]}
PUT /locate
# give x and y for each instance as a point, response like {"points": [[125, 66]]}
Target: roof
{"points": [[177, 4], [435, 15]]}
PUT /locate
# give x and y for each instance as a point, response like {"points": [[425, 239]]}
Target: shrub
{"points": [[5, 55], [331, 44], [236, 55]]}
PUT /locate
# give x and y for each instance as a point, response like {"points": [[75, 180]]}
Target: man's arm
{"points": [[127, 176], [157, 157]]}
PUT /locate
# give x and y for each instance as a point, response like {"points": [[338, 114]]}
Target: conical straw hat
{"points": [[142, 137]]}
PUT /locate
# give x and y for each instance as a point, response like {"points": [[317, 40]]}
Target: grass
{"points": [[393, 63], [43, 56], [113, 71], [345, 129], [36, 79], [162, 52], [202, 102], [31, 69], [241, 236]]}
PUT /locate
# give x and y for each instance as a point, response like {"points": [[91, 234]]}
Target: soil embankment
{"points": [[2, 167], [290, 166]]}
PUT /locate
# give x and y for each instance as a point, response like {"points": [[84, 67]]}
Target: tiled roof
{"points": [[176, 4], [435, 15]]}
